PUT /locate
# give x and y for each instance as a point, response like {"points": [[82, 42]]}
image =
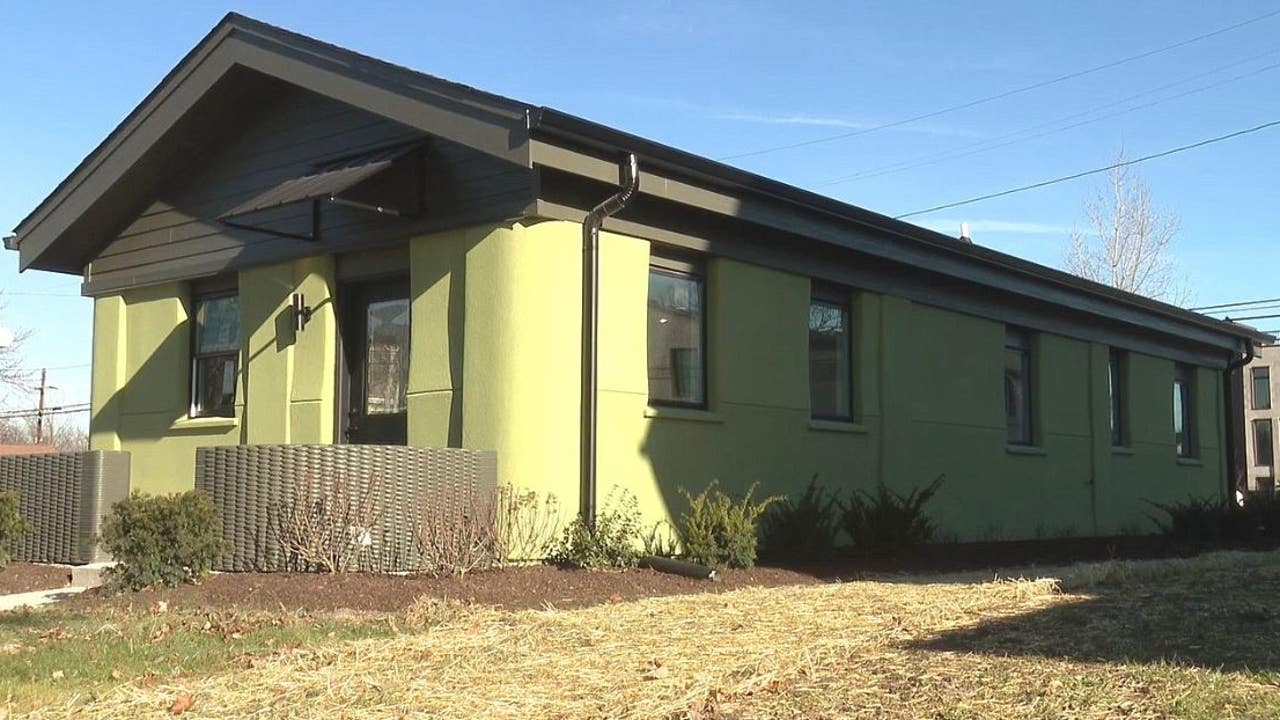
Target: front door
{"points": [[375, 354]]}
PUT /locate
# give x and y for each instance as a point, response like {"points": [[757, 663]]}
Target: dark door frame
{"points": [[354, 297]]}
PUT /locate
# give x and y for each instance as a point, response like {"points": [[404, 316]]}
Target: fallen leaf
{"points": [[182, 704]]}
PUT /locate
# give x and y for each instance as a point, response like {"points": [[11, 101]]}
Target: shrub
{"points": [[12, 526], [1211, 522], [887, 524], [662, 541], [1194, 522], [719, 530], [800, 527], [457, 540], [612, 543], [527, 524], [327, 529], [162, 540]]}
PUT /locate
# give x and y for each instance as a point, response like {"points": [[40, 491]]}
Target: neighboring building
{"points": [[1261, 412], [748, 330]]}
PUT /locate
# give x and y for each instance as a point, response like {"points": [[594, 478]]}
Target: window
{"points": [[677, 333], [830, 355], [1017, 385], [1115, 387], [215, 354], [1263, 454], [1183, 425], [1261, 388]]}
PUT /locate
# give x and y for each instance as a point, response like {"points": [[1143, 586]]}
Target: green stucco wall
{"points": [[495, 365], [141, 373]]}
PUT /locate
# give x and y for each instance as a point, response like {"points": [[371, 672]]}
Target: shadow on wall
{"points": [[1219, 619]]}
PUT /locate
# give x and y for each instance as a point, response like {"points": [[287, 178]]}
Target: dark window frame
{"points": [[1022, 341], [692, 268], [840, 298], [1258, 460], [202, 293], [1262, 372], [1117, 364], [1184, 385]]}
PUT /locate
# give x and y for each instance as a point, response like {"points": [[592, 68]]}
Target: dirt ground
{"points": [[512, 589], [20, 577]]}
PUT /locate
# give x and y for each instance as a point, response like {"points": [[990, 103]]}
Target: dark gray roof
{"points": [[59, 234]]}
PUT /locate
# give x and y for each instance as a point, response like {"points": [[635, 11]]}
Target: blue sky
{"points": [[720, 79]]}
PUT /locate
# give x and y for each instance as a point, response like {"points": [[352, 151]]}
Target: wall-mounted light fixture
{"points": [[301, 312]]}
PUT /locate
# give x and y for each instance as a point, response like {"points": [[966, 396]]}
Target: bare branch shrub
{"points": [[455, 539], [328, 526], [527, 524]]}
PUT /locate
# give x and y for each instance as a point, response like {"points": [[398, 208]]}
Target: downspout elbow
{"points": [[629, 179]]}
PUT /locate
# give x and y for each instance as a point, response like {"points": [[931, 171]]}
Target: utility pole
{"points": [[40, 408]]}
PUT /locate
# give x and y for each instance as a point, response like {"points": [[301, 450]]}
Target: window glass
{"points": [[216, 355], [1263, 452], [1261, 388], [677, 361], [830, 359], [1115, 388], [1182, 417], [387, 357], [1017, 386], [218, 324]]}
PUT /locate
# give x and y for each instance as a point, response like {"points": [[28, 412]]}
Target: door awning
{"points": [[324, 185]]}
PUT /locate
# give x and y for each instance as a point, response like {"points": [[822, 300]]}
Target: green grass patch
{"points": [[69, 656]]}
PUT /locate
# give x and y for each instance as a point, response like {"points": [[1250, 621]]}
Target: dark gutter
{"points": [[629, 179], [10, 242], [554, 123]]}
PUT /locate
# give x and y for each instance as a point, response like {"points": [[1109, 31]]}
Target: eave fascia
{"points": [[482, 122]]}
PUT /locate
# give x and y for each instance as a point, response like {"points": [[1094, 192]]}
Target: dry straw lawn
{"points": [[1123, 640]]}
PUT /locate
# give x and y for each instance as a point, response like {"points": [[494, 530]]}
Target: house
{"points": [[288, 242], [1260, 414]]}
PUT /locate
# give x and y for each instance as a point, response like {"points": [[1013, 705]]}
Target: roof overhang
{"points": [[581, 147], [68, 227]]}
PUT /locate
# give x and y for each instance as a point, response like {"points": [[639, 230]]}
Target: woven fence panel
{"points": [[253, 485], [64, 496]]}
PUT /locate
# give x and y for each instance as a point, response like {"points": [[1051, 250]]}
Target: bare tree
{"points": [[64, 434], [1128, 243]]}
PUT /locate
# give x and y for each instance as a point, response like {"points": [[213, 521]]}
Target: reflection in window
{"points": [[1261, 388], [1115, 387], [676, 357], [830, 357], [387, 357], [1017, 386], [1183, 435], [215, 355], [1263, 449]]}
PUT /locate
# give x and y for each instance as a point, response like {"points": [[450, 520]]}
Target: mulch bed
{"points": [[540, 586], [512, 588], [21, 577]]}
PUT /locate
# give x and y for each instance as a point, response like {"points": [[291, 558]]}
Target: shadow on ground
{"points": [[1221, 618]]}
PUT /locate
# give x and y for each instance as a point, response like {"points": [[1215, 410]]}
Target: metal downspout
{"points": [[1234, 414], [629, 178]]}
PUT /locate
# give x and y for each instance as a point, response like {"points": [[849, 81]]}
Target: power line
{"points": [[1095, 171], [10, 293], [1002, 95], [56, 410], [54, 367], [1235, 304], [995, 143], [1252, 317]]}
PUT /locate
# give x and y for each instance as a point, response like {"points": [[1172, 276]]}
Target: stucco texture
{"points": [[495, 365]]}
